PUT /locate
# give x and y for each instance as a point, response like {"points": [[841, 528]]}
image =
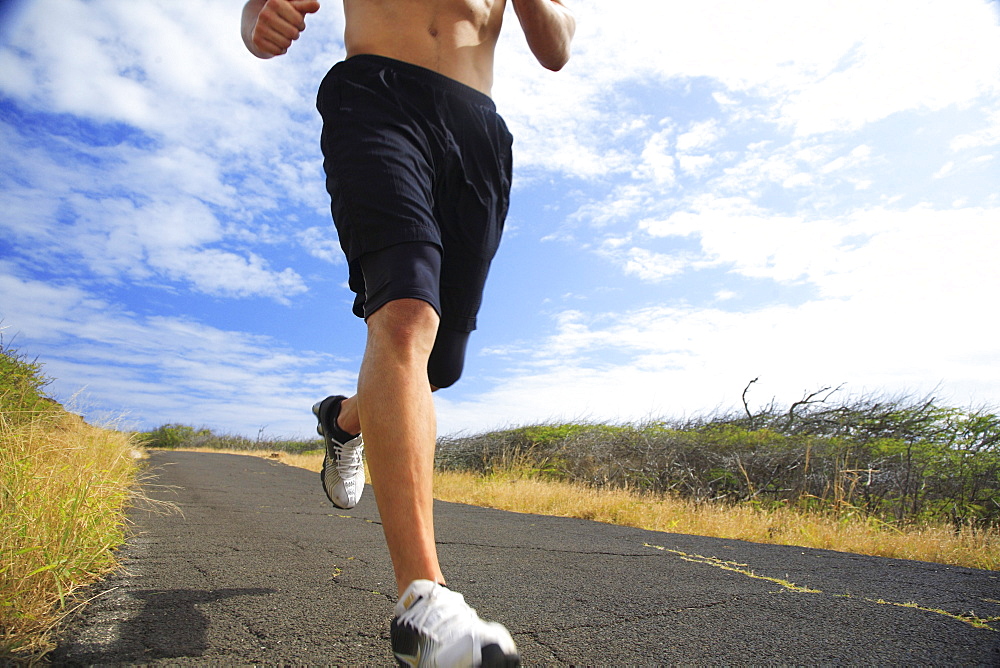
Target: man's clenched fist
{"points": [[270, 26]]}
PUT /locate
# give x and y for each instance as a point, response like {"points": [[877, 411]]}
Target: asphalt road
{"points": [[259, 568]]}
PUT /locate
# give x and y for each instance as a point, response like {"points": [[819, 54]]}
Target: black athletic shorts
{"points": [[412, 270], [413, 156]]}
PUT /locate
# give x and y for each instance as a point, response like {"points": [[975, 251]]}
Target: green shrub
{"points": [[21, 387], [894, 459], [171, 436]]}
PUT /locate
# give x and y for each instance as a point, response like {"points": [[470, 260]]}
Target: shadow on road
{"points": [[167, 624]]}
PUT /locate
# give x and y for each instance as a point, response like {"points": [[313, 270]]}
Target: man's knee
{"points": [[404, 324]]}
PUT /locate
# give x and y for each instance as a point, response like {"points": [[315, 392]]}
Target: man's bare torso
{"points": [[456, 38]]}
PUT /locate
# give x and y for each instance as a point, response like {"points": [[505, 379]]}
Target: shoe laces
{"points": [[436, 614], [349, 456]]}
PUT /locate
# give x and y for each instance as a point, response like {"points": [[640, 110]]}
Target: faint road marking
{"points": [[970, 618]]}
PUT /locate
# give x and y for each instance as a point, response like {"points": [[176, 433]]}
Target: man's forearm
{"points": [[549, 28]]}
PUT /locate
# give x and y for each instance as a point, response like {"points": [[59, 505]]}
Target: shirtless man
{"points": [[418, 169]]}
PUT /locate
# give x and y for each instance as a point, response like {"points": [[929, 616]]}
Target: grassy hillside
{"points": [[64, 485]]}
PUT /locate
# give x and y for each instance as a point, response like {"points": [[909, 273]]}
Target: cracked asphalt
{"points": [[259, 568]]}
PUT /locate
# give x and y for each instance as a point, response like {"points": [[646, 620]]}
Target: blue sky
{"points": [[710, 192]]}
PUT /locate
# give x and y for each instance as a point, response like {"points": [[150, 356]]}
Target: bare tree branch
{"points": [[745, 390]]}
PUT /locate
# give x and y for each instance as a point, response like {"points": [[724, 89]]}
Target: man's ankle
{"points": [[404, 588], [346, 408]]}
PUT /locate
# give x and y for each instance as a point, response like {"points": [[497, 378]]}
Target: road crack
{"points": [[536, 634], [546, 549]]}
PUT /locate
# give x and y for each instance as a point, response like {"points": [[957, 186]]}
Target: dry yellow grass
{"points": [[779, 526], [63, 488], [308, 461]]}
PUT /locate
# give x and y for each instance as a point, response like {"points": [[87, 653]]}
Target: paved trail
{"points": [[260, 569]]}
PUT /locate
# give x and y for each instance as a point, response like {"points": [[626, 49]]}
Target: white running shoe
{"points": [[434, 626], [343, 474]]}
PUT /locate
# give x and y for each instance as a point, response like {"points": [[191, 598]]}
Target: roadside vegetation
{"points": [[901, 461], [886, 476], [172, 436], [63, 488]]}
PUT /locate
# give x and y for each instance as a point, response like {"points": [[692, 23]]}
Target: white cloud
{"points": [[320, 243], [622, 204], [768, 162], [695, 165], [650, 266], [699, 136], [857, 156], [752, 242], [657, 159], [987, 136], [921, 259], [219, 273], [119, 239], [861, 252], [157, 66]]}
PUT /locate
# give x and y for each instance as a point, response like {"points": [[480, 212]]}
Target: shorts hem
{"points": [[366, 244], [403, 294]]}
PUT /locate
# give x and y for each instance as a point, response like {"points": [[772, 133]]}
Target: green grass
{"points": [[170, 436]]}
